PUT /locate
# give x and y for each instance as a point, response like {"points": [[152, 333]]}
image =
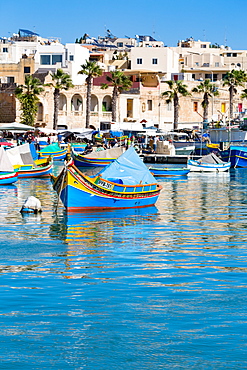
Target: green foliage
{"points": [[61, 80], [208, 90], [90, 69], [235, 78], [28, 97], [119, 80]]}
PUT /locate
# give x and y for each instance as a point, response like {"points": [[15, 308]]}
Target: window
{"points": [[26, 69], [193, 76], [234, 54], [203, 46], [195, 106], [5, 50], [154, 61], [119, 44], [10, 80], [210, 76], [45, 59], [57, 59], [139, 61], [169, 106], [228, 54], [217, 64], [71, 58], [150, 104]]}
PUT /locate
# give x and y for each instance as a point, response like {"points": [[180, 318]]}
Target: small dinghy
{"points": [[208, 163], [165, 171]]}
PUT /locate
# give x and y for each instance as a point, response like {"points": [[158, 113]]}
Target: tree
{"points": [[208, 90], [120, 83], [177, 89], [61, 81], [91, 70], [234, 79], [28, 97]]}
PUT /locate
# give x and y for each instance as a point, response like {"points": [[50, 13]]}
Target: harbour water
{"points": [[156, 288]]}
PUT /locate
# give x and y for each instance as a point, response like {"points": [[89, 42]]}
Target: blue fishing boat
{"points": [[54, 151], [96, 158], [125, 183], [237, 155], [172, 171]]}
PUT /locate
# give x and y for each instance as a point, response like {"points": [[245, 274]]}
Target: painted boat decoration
{"points": [[97, 159], [172, 171], [54, 151], [125, 183], [208, 163], [21, 158], [7, 173], [237, 155]]}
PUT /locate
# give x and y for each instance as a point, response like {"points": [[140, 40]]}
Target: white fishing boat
{"points": [[208, 163]]}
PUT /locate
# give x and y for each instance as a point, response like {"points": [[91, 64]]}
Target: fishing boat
{"points": [[237, 155], [97, 158], [54, 151], [7, 173], [21, 158], [208, 163], [125, 183], [166, 171]]}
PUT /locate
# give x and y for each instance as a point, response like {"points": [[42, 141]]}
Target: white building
{"points": [[161, 59]]}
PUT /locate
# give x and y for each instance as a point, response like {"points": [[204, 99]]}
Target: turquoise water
{"points": [[158, 288]]}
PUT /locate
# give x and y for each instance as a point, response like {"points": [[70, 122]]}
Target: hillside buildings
{"points": [[148, 63]]}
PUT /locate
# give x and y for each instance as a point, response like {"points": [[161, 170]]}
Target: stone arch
{"points": [[40, 112], [107, 104], [76, 103], [62, 103], [94, 103]]}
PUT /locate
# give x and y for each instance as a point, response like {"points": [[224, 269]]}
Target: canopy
{"points": [[20, 155], [15, 126], [54, 147], [210, 158], [5, 164], [106, 153], [129, 168]]}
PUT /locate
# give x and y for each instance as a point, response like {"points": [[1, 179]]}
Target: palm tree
{"points": [[120, 83], [177, 89], [234, 79], [91, 70], [61, 81], [209, 90], [28, 96]]}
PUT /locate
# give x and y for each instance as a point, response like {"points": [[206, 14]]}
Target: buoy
{"points": [[31, 205]]}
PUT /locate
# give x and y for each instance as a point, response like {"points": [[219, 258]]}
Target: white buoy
{"points": [[31, 205]]}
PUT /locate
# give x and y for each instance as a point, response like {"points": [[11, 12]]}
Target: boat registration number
{"points": [[105, 185]]}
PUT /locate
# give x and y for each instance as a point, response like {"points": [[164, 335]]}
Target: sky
{"points": [[218, 21]]}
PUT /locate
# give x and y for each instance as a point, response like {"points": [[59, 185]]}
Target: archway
{"points": [[94, 104], [62, 103], [76, 103], [107, 104]]}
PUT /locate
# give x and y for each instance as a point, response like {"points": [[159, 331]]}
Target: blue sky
{"points": [[218, 21]]}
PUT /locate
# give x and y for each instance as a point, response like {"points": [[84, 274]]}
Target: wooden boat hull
{"points": [[80, 192], [196, 166], [56, 156], [237, 155], [91, 162], [30, 171], [7, 178], [163, 172]]}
